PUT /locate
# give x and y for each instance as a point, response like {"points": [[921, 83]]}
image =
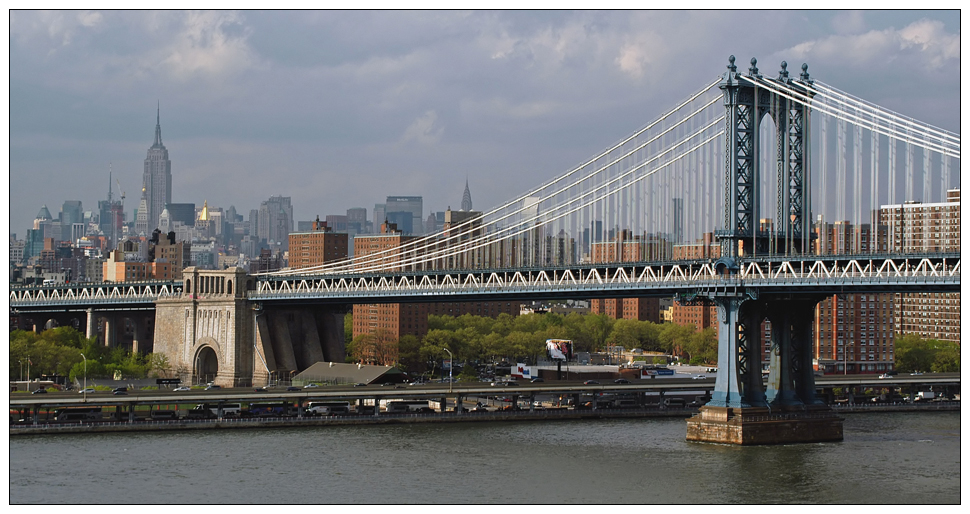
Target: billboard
{"points": [[559, 349], [523, 371]]}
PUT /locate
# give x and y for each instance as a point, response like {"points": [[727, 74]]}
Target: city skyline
{"points": [[509, 99]]}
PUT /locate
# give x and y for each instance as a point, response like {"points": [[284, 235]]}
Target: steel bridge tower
{"points": [[742, 410]]}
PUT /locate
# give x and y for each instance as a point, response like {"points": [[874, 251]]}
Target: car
{"points": [[39, 391], [292, 388], [537, 380], [387, 384], [311, 386], [360, 384], [401, 386], [479, 408], [180, 389], [913, 374], [511, 383], [591, 382], [699, 377], [122, 389], [885, 375], [621, 381], [212, 386], [259, 389], [120, 393], [86, 391]]}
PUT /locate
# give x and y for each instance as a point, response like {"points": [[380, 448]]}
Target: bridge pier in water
{"points": [[741, 411]]}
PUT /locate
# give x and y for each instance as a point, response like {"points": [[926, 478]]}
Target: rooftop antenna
{"points": [[109, 183]]}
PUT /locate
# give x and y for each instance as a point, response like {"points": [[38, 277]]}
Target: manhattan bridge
{"points": [[749, 162]]}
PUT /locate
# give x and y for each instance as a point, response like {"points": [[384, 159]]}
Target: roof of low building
{"points": [[343, 373]]}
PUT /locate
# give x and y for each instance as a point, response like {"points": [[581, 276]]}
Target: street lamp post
{"points": [[452, 357], [84, 392]]}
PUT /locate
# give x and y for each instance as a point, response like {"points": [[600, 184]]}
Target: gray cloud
{"points": [[340, 109]]}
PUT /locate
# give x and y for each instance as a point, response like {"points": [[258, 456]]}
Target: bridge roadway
{"points": [[436, 391], [810, 274]]}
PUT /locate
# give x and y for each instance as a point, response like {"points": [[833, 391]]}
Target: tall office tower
{"points": [[411, 204], [71, 212], [357, 217], [110, 215], [466, 198], [678, 229], [380, 215], [925, 227], [157, 180], [276, 220]]}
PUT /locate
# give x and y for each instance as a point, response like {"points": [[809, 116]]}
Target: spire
{"points": [[109, 183], [466, 198], [158, 125]]}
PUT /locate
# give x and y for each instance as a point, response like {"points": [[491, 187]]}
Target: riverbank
{"points": [[384, 419]]}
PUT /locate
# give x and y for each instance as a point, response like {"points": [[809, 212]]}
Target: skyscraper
{"points": [[157, 180], [275, 220], [409, 204], [466, 198]]}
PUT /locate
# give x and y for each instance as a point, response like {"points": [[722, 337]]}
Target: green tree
{"points": [[348, 328], [947, 359], [913, 353], [409, 354]]}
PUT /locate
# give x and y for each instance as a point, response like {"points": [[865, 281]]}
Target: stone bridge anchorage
{"points": [[210, 332]]}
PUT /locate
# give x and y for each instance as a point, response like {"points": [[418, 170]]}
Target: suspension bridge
{"points": [[748, 166]]}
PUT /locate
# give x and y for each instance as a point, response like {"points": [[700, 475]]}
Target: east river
{"points": [[886, 458]]}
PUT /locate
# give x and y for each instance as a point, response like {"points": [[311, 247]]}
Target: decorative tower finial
{"points": [[158, 125], [466, 198], [783, 74], [753, 70], [804, 76], [731, 67]]}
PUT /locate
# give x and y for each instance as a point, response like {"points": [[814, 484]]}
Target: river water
{"points": [[886, 458]]}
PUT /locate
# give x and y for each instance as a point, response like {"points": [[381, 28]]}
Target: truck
{"points": [[925, 396]]}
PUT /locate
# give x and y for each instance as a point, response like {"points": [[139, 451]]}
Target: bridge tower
{"points": [[742, 410], [206, 332]]}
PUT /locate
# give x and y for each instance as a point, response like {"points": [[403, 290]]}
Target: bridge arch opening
{"points": [[206, 365]]}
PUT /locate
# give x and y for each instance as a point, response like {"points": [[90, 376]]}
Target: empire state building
{"points": [[157, 181]]}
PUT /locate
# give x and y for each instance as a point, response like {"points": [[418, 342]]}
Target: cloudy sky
{"points": [[341, 109]]}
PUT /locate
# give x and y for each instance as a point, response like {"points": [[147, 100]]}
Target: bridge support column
{"points": [[738, 412], [110, 330], [92, 325], [459, 404]]}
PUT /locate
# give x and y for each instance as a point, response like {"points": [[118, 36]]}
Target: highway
{"points": [[436, 391]]}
